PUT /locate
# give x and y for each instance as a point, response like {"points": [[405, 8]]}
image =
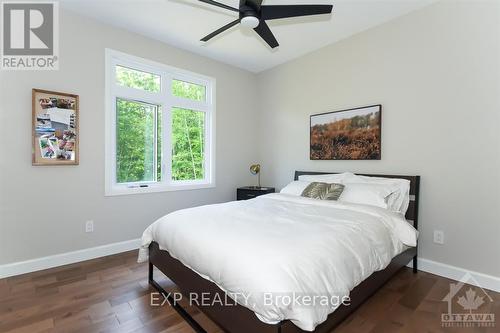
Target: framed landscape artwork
{"points": [[353, 134], [55, 128]]}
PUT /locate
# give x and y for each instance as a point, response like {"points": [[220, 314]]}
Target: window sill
{"points": [[121, 190]]}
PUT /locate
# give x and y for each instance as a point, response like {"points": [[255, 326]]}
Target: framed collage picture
{"points": [[55, 133]]}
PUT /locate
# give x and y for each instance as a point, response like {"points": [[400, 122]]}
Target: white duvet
{"points": [[283, 245]]}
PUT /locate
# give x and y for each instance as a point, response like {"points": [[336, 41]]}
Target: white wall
{"points": [[43, 209], [436, 73]]}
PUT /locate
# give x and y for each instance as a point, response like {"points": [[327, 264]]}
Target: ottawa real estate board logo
{"points": [[30, 35], [468, 306]]}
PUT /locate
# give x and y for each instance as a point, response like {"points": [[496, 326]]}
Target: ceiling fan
{"points": [[254, 15]]}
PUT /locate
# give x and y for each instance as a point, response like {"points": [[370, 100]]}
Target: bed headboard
{"points": [[411, 214]]}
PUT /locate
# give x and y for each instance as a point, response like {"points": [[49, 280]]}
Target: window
{"points": [[159, 127]]}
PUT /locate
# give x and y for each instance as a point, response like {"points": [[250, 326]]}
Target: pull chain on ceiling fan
{"points": [[252, 14]]}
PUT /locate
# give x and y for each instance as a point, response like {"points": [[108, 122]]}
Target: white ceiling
{"points": [[182, 23]]}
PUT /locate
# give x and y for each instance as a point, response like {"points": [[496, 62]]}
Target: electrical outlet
{"points": [[439, 237], [89, 226]]}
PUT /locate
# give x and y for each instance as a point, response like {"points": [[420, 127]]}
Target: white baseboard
{"points": [[38, 264], [456, 273]]}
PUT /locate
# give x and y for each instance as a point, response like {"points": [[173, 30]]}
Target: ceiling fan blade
{"points": [[218, 31], [266, 34], [283, 11], [221, 5], [256, 3]]}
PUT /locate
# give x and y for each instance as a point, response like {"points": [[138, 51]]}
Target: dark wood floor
{"points": [[111, 294]]}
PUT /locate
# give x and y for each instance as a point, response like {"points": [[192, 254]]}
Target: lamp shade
{"points": [[255, 169]]}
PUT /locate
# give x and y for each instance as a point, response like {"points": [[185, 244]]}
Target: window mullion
{"points": [[155, 145], [137, 95], [190, 105], [167, 128]]}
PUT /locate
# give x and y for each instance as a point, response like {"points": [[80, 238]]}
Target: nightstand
{"points": [[250, 192]]}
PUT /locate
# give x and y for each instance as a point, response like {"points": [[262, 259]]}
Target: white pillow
{"points": [[367, 194], [295, 188], [398, 201], [326, 178]]}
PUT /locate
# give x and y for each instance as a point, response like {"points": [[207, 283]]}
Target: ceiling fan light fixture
{"points": [[253, 15], [250, 22]]}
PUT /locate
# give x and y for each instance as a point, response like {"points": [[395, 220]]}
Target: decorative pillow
{"points": [[323, 191]]}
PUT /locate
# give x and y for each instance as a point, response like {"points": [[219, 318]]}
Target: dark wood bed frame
{"points": [[239, 319]]}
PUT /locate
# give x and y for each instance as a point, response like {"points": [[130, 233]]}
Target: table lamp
{"points": [[255, 170]]}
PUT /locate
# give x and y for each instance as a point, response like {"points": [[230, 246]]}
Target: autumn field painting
{"points": [[353, 134]]}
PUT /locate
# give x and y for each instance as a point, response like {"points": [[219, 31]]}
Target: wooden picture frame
{"points": [[352, 134], [55, 128]]}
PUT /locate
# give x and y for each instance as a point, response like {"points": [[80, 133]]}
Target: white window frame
{"points": [[166, 101]]}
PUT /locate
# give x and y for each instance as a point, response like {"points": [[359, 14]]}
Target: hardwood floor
{"points": [[111, 294]]}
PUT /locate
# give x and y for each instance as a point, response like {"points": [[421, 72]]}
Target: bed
{"points": [[213, 265]]}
